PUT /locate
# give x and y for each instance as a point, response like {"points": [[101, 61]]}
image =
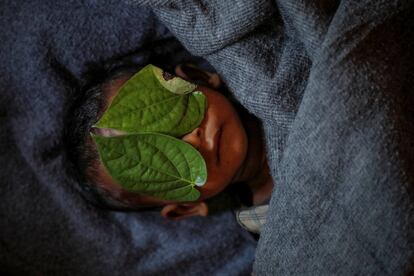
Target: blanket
{"points": [[47, 226], [331, 82]]}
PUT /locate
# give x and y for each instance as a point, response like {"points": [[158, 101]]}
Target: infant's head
{"points": [[221, 139]]}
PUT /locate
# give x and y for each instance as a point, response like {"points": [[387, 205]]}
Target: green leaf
{"points": [[154, 164], [144, 104]]}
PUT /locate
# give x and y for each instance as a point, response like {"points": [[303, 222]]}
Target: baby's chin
{"points": [[218, 181]]}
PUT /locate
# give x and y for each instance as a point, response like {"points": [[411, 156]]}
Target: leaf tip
{"points": [[200, 181]]}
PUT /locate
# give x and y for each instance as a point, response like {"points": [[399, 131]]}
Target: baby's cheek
{"points": [[217, 180]]}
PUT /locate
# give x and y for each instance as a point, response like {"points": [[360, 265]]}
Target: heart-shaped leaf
{"points": [[144, 104], [154, 164]]}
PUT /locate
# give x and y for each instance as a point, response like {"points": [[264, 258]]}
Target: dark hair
{"points": [[83, 112]]}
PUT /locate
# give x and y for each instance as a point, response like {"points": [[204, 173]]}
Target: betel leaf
{"points": [[154, 164], [144, 104]]}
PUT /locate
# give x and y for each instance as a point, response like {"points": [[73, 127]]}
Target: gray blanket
{"points": [[331, 81], [333, 84]]}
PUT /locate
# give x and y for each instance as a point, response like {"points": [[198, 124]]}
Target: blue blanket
{"points": [[47, 226], [331, 81]]}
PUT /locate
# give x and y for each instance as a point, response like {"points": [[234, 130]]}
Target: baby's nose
{"points": [[194, 137]]}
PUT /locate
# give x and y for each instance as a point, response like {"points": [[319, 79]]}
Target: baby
{"points": [[228, 138]]}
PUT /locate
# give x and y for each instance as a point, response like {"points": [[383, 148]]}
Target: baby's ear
{"points": [[178, 211]]}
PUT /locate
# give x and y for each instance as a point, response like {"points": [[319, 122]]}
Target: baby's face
{"points": [[220, 138]]}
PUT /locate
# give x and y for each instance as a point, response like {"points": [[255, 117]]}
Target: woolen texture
{"points": [[331, 81], [46, 225], [333, 84]]}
